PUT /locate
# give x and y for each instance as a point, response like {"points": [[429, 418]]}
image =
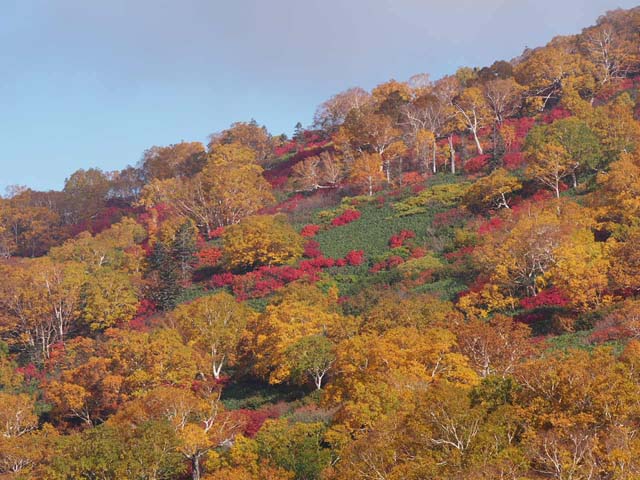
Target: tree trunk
{"points": [[504, 203], [195, 468], [452, 152], [434, 157], [475, 137], [216, 370]]}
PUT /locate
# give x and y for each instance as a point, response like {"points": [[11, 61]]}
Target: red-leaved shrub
{"points": [[551, 297], [208, 257], [309, 231], [216, 232], [398, 240], [354, 257], [347, 217], [477, 164], [312, 249]]}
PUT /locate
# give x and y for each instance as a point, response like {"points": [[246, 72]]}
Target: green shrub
{"points": [[446, 195], [413, 267]]}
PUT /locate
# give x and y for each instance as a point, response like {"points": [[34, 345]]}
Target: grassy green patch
{"points": [[372, 232], [447, 288], [191, 293], [580, 340]]}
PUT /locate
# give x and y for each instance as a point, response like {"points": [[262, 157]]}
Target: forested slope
{"points": [[437, 279]]}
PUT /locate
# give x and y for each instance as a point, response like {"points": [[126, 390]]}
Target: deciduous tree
{"points": [[214, 325], [261, 240]]}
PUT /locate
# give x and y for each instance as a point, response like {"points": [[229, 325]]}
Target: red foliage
{"points": [[256, 286], [285, 149], [457, 141], [448, 218], [278, 182], [615, 87], [155, 215], [513, 160], [491, 225], [354, 257], [557, 113], [243, 285], [347, 217], [522, 125], [551, 297], [103, 219], [608, 334], [314, 265], [311, 137], [310, 230], [216, 232], [146, 308], [278, 175], [378, 267], [267, 279], [31, 372], [477, 164], [252, 420], [541, 195], [412, 178], [286, 273], [394, 261], [312, 249], [398, 240], [208, 257], [220, 280], [482, 132]]}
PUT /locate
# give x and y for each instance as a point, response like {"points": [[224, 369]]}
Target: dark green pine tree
{"points": [[164, 272], [183, 249], [298, 134], [499, 149]]}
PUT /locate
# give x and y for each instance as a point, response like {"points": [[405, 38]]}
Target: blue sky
{"points": [[94, 83]]}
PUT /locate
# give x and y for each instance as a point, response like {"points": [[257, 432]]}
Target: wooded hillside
{"points": [[437, 279]]}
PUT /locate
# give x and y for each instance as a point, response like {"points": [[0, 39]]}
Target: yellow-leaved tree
{"points": [[261, 240], [213, 325], [287, 337], [367, 173], [229, 188], [376, 374]]}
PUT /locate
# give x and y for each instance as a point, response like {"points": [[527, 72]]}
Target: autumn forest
{"points": [[437, 279]]}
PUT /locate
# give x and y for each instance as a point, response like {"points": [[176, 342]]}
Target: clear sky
{"points": [[95, 82]]}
